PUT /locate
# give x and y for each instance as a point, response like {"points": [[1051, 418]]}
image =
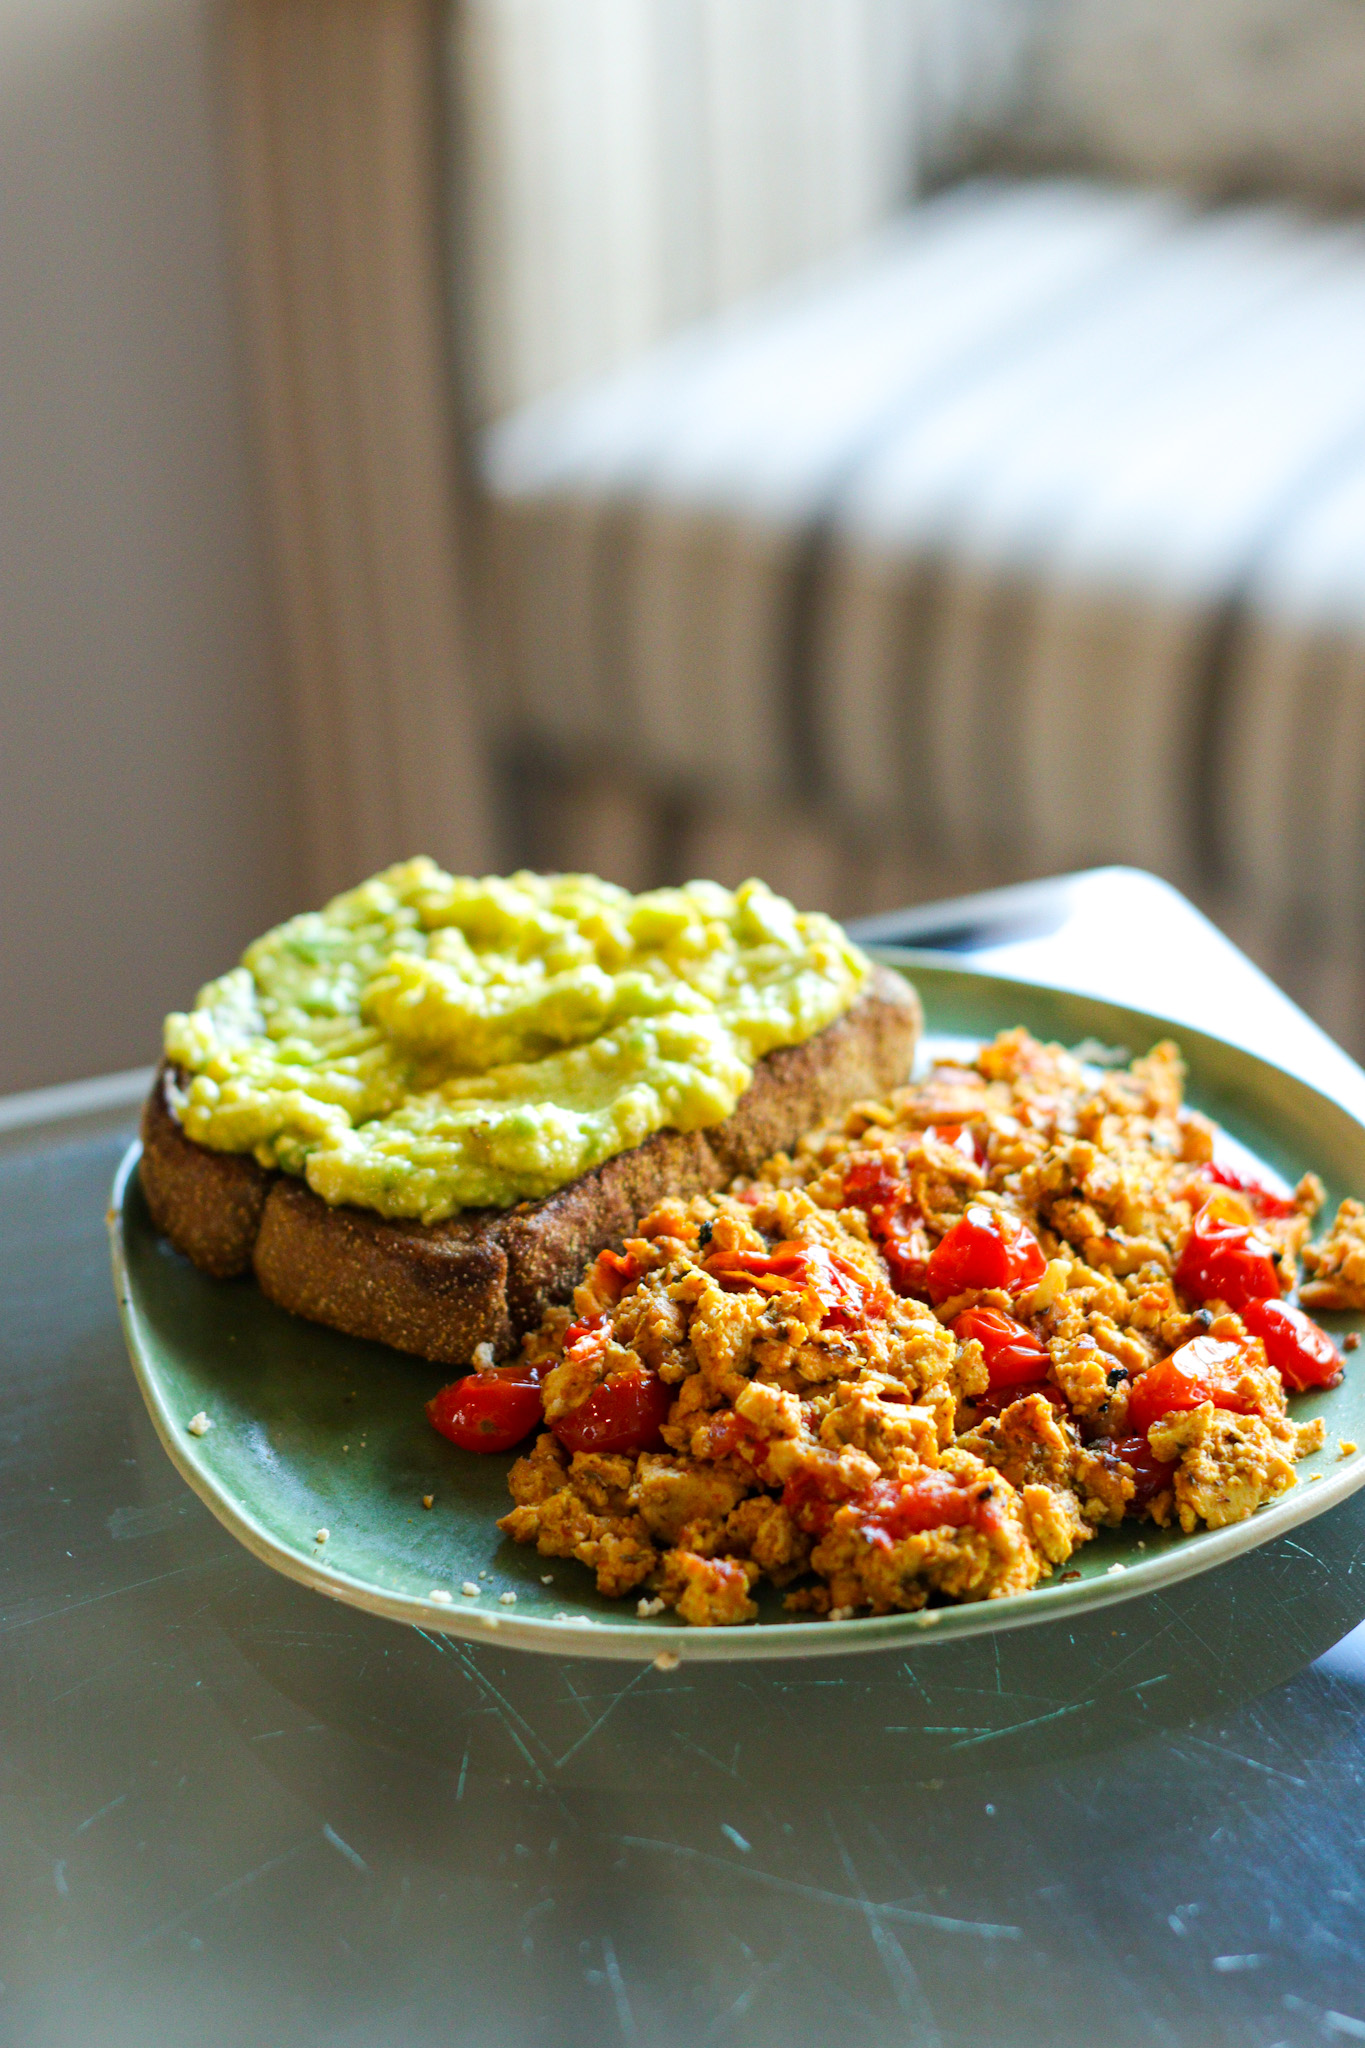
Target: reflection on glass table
{"points": [[235, 1813]]}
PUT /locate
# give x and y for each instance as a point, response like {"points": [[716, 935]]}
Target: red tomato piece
{"points": [[1151, 1475], [1302, 1354], [998, 1400], [488, 1411], [801, 1268], [962, 1140], [893, 1509], [576, 1332], [895, 1222], [1260, 1197], [810, 1498], [624, 1413], [1205, 1369], [870, 1184], [984, 1249], [904, 1244], [1013, 1354], [616, 1273], [1223, 1260], [720, 1435], [785, 1271]]}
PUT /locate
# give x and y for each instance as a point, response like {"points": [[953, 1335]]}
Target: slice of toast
{"points": [[487, 1275]]}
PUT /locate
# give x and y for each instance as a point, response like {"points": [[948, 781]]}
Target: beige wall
{"points": [[144, 756]]}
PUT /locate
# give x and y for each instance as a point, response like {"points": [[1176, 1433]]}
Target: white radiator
{"points": [[1028, 535], [624, 166]]}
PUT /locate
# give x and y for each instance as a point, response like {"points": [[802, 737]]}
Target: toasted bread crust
{"points": [[487, 1275], [436, 1289], [209, 1204]]}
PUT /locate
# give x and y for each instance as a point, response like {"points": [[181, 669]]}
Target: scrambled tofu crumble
{"points": [[1337, 1265], [906, 1365]]}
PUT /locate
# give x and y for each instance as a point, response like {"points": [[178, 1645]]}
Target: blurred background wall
{"points": [[146, 823], [895, 446]]}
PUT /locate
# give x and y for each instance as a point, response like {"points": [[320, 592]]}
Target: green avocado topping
{"points": [[431, 1042]]}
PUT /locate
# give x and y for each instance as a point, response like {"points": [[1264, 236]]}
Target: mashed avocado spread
{"points": [[430, 1043]]}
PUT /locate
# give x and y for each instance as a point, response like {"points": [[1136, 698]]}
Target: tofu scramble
{"points": [[926, 1358]]}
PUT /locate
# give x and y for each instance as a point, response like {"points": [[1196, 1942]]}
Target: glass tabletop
{"points": [[235, 1813]]}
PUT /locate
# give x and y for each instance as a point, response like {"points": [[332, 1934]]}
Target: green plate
{"points": [[313, 1431]]}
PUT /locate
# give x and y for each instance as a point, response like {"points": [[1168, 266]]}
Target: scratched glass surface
{"points": [[234, 1814]]}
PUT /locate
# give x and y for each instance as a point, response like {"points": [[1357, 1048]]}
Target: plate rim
{"points": [[645, 1642]]}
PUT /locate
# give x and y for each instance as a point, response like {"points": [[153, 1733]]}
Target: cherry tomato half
{"points": [[1151, 1475], [1223, 1260], [984, 1249], [1013, 1354], [624, 1413], [488, 1411], [1303, 1355], [1205, 1369]]}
